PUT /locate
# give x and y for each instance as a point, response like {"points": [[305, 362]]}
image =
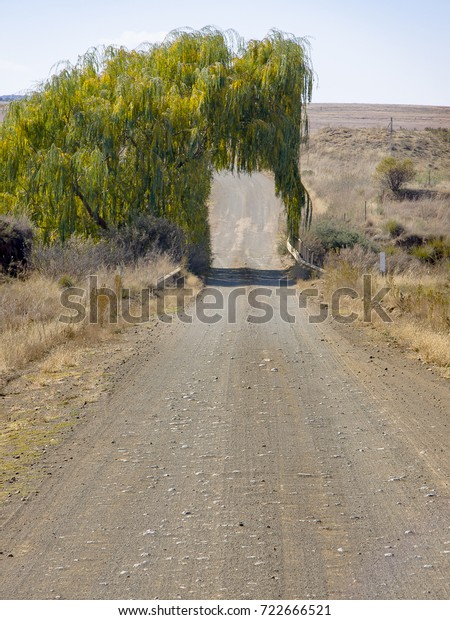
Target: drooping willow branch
{"points": [[124, 132]]}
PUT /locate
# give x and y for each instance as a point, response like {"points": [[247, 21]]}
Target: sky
{"points": [[381, 51]]}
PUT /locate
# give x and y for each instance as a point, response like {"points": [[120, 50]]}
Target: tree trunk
{"points": [[94, 216]]}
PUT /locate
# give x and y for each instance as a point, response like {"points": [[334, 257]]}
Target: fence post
{"points": [[383, 263]]}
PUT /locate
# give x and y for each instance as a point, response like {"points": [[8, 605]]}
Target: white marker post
{"points": [[383, 263]]}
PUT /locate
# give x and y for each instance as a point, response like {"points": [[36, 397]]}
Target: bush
{"points": [[326, 236], [151, 235], [392, 173], [394, 228], [78, 257], [15, 243], [66, 281], [357, 259], [148, 235], [433, 252], [198, 258], [410, 240], [75, 258]]}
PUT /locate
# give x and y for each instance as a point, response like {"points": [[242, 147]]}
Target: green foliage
{"points": [[124, 133], [334, 236], [394, 228], [326, 236], [66, 281], [433, 252], [392, 173]]}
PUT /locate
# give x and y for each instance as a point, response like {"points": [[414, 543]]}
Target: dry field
{"points": [[363, 116], [346, 144]]}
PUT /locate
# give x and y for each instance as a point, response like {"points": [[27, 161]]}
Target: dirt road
{"points": [[245, 220], [240, 460]]}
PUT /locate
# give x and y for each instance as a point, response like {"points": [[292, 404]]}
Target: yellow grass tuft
{"points": [[431, 346], [62, 357]]}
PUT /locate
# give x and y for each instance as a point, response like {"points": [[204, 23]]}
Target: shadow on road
{"points": [[244, 276]]}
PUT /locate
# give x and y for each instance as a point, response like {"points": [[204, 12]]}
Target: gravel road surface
{"points": [[238, 459]]}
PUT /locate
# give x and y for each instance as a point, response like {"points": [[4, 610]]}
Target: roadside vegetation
{"points": [[373, 192], [30, 303]]}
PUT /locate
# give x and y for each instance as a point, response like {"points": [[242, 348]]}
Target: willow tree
{"points": [[121, 133]]}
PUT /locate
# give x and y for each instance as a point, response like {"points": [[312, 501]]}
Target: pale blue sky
{"points": [[380, 51]]}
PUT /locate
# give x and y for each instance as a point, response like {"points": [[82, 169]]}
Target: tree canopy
{"points": [[122, 133]]}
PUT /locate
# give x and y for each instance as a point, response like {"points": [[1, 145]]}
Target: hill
{"points": [[357, 115]]}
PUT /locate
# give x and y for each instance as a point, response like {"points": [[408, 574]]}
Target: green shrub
{"points": [[327, 236], [433, 252], [394, 228], [335, 236], [392, 173], [66, 281]]}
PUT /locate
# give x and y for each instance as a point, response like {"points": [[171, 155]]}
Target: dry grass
{"points": [[428, 216], [30, 309], [28, 321], [62, 357], [418, 303], [338, 185], [145, 273], [431, 346]]}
